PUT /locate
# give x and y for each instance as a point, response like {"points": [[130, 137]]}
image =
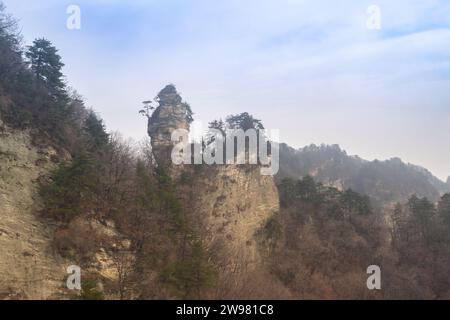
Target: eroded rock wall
{"points": [[29, 267], [170, 115], [230, 203], [234, 204]]}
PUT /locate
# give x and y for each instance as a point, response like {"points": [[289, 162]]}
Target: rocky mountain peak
{"points": [[171, 114], [169, 96]]}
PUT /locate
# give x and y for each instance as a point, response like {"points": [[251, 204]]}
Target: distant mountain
{"points": [[384, 181]]}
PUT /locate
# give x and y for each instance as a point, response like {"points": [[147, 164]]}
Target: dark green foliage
{"points": [[189, 113], [98, 178], [46, 65], [243, 121], [422, 209], [287, 192], [326, 241], [10, 50], [306, 189], [170, 204], [13, 76], [218, 125], [444, 208], [145, 185], [147, 110], [89, 291], [273, 229], [75, 188], [422, 242], [97, 138], [186, 178], [384, 181], [355, 201], [422, 213], [34, 96], [71, 185], [292, 190], [165, 238], [187, 276], [22, 118]]}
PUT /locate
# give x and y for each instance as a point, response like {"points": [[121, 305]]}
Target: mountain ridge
{"points": [[385, 181]]}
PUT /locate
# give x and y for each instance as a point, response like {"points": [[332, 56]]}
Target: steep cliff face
{"points": [[229, 206], [231, 203], [234, 203], [29, 267], [171, 114]]}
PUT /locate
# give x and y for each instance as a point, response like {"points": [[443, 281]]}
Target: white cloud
{"points": [[286, 61]]}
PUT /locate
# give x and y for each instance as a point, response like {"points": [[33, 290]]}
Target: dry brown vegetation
{"points": [[106, 197]]}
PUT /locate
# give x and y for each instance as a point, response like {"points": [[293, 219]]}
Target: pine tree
{"points": [[306, 188], [244, 121], [353, 201], [64, 198], [398, 218], [422, 211], [45, 63], [187, 276], [96, 132], [10, 51], [444, 208]]}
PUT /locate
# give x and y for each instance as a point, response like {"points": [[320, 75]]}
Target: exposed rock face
{"points": [[231, 203], [234, 204], [29, 268], [170, 115]]}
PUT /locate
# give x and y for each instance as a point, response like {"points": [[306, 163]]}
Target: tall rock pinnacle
{"points": [[171, 114]]}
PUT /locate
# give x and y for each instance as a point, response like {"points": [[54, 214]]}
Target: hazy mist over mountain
{"points": [[387, 182], [309, 68], [321, 174]]}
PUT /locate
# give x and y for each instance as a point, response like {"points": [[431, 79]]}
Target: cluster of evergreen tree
{"points": [[243, 121], [320, 244], [99, 178], [33, 93], [307, 190], [330, 237], [106, 180], [421, 242], [386, 182]]}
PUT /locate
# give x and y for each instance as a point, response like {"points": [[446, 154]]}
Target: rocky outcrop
{"points": [[230, 203], [170, 115], [234, 203], [29, 267]]}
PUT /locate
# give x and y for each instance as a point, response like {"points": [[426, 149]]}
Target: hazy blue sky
{"points": [[310, 68]]}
